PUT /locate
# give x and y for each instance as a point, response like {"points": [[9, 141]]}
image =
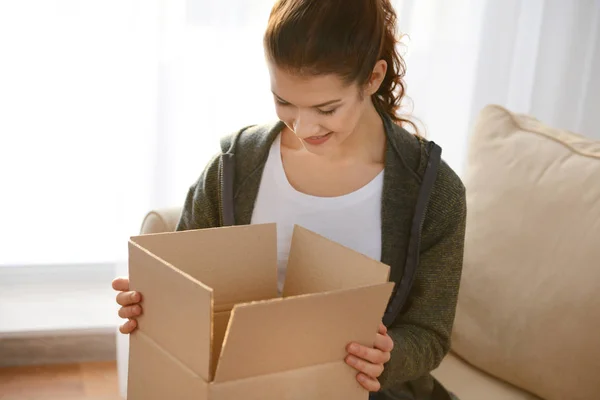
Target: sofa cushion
{"points": [[162, 220], [469, 383], [529, 305]]}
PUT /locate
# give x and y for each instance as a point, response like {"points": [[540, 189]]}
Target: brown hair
{"points": [[344, 37]]}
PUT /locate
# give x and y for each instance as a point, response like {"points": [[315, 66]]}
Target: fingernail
{"points": [[134, 296], [136, 310], [352, 360], [362, 378], [354, 347]]}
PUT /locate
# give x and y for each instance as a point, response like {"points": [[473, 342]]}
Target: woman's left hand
{"points": [[369, 361]]}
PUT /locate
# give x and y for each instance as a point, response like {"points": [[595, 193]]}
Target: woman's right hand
{"points": [[129, 302]]}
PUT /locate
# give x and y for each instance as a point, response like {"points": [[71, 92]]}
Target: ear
{"points": [[377, 77]]}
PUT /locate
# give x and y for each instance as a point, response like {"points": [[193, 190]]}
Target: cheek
{"points": [[343, 122]]}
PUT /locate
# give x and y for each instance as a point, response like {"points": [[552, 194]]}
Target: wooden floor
{"points": [[95, 381]]}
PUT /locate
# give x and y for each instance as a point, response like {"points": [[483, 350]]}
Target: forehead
{"points": [[307, 91]]}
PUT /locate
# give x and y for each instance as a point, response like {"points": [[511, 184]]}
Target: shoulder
{"points": [[447, 208], [252, 138], [413, 152], [247, 147], [246, 144], [250, 147], [447, 204]]}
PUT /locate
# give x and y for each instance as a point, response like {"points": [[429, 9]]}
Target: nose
{"points": [[304, 127]]}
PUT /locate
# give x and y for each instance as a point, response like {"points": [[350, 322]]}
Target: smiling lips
{"points": [[317, 140]]}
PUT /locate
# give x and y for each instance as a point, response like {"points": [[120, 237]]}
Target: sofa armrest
{"points": [[161, 220]]}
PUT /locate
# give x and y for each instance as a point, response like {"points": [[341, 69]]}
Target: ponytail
{"points": [[393, 88]]}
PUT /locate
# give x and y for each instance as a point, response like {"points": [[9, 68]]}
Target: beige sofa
{"points": [[528, 319]]}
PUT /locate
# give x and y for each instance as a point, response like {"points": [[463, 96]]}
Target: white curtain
{"points": [[111, 108], [540, 57]]}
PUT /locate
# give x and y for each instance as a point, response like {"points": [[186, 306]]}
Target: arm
{"points": [[201, 207], [421, 335]]}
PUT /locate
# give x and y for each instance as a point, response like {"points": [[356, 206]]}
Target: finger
{"points": [[128, 326], [374, 356], [121, 284], [371, 384], [382, 329], [128, 298], [371, 370], [384, 343], [130, 311]]}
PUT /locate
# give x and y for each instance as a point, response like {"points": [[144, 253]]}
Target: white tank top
{"points": [[353, 220]]}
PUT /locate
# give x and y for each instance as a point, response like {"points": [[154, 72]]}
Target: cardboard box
{"points": [[213, 326]]}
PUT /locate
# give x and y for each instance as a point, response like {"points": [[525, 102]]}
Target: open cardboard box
{"points": [[214, 327]]}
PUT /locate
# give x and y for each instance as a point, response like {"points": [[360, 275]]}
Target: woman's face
{"points": [[322, 111]]}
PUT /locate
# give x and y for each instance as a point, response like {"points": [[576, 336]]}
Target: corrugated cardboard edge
{"points": [[170, 269], [219, 330], [161, 376], [331, 381]]}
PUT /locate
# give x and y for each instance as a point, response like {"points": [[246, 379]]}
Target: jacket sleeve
{"points": [[201, 207], [422, 333]]}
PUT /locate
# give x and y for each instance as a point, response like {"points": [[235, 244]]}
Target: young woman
{"points": [[340, 163]]}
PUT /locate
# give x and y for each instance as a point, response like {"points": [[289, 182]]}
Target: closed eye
{"points": [[284, 103], [328, 112]]}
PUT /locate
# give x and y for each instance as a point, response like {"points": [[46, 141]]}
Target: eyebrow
{"points": [[327, 103]]}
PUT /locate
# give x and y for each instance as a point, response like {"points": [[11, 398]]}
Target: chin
{"points": [[317, 150]]}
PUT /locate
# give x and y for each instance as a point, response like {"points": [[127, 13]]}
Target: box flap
{"points": [[239, 263], [155, 375], [283, 334], [177, 310], [317, 264], [220, 323]]}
